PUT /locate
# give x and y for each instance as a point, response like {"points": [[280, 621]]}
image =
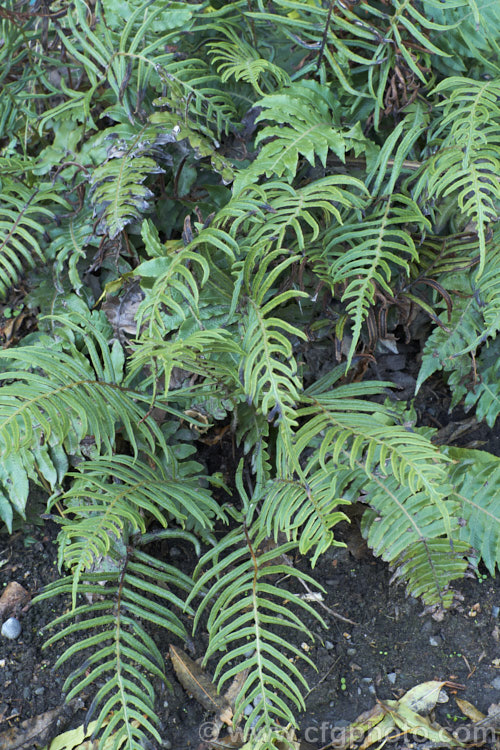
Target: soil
{"points": [[393, 645]]}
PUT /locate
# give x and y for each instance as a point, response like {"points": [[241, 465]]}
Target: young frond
{"points": [[245, 608], [365, 254]]}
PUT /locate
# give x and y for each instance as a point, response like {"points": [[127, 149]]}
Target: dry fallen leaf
{"points": [[196, 681]]}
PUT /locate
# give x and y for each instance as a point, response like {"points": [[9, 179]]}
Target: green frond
{"points": [[404, 529], [268, 371], [115, 651], [476, 486], [467, 162], [366, 435], [118, 193], [23, 214], [429, 567], [272, 211], [485, 395], [175, 291], [244, 608], [306, 510], [448, 345], [365, 254], [54, 398], [110, 498], [306, 114], [238, 59], [194, 93]]}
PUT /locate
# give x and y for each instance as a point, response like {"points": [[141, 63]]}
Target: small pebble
{"points": [[39, 691], [495, 611], [392, 677], [329, 645], [11, 628], [496, 683], [351, 651], [434, 640], [166, 744]]}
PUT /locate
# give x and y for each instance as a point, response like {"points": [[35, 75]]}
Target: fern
{"points": [[242, 587], [307, 126], [68, 399], [375, 247], [467, 162], [270, 178], [239, 59], [22, 218], [120, 648], [475, 479], [117, 190]]}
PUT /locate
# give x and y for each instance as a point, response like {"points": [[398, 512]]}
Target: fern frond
{"points": [[428, 567], [268, 370], [376, 247], [237, 58], [307, 117], [272, 211], [117, 190], [367, 435], [306, 511], [466, 165], [175, 291], [23, 213], [102, 510], [194, 93], [244, 608], [448, 345], [116, 647], [476, 487], [485, 395], [71, 395]]}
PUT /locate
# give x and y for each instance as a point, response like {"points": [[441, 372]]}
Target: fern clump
{"points": [[193, 196]]}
